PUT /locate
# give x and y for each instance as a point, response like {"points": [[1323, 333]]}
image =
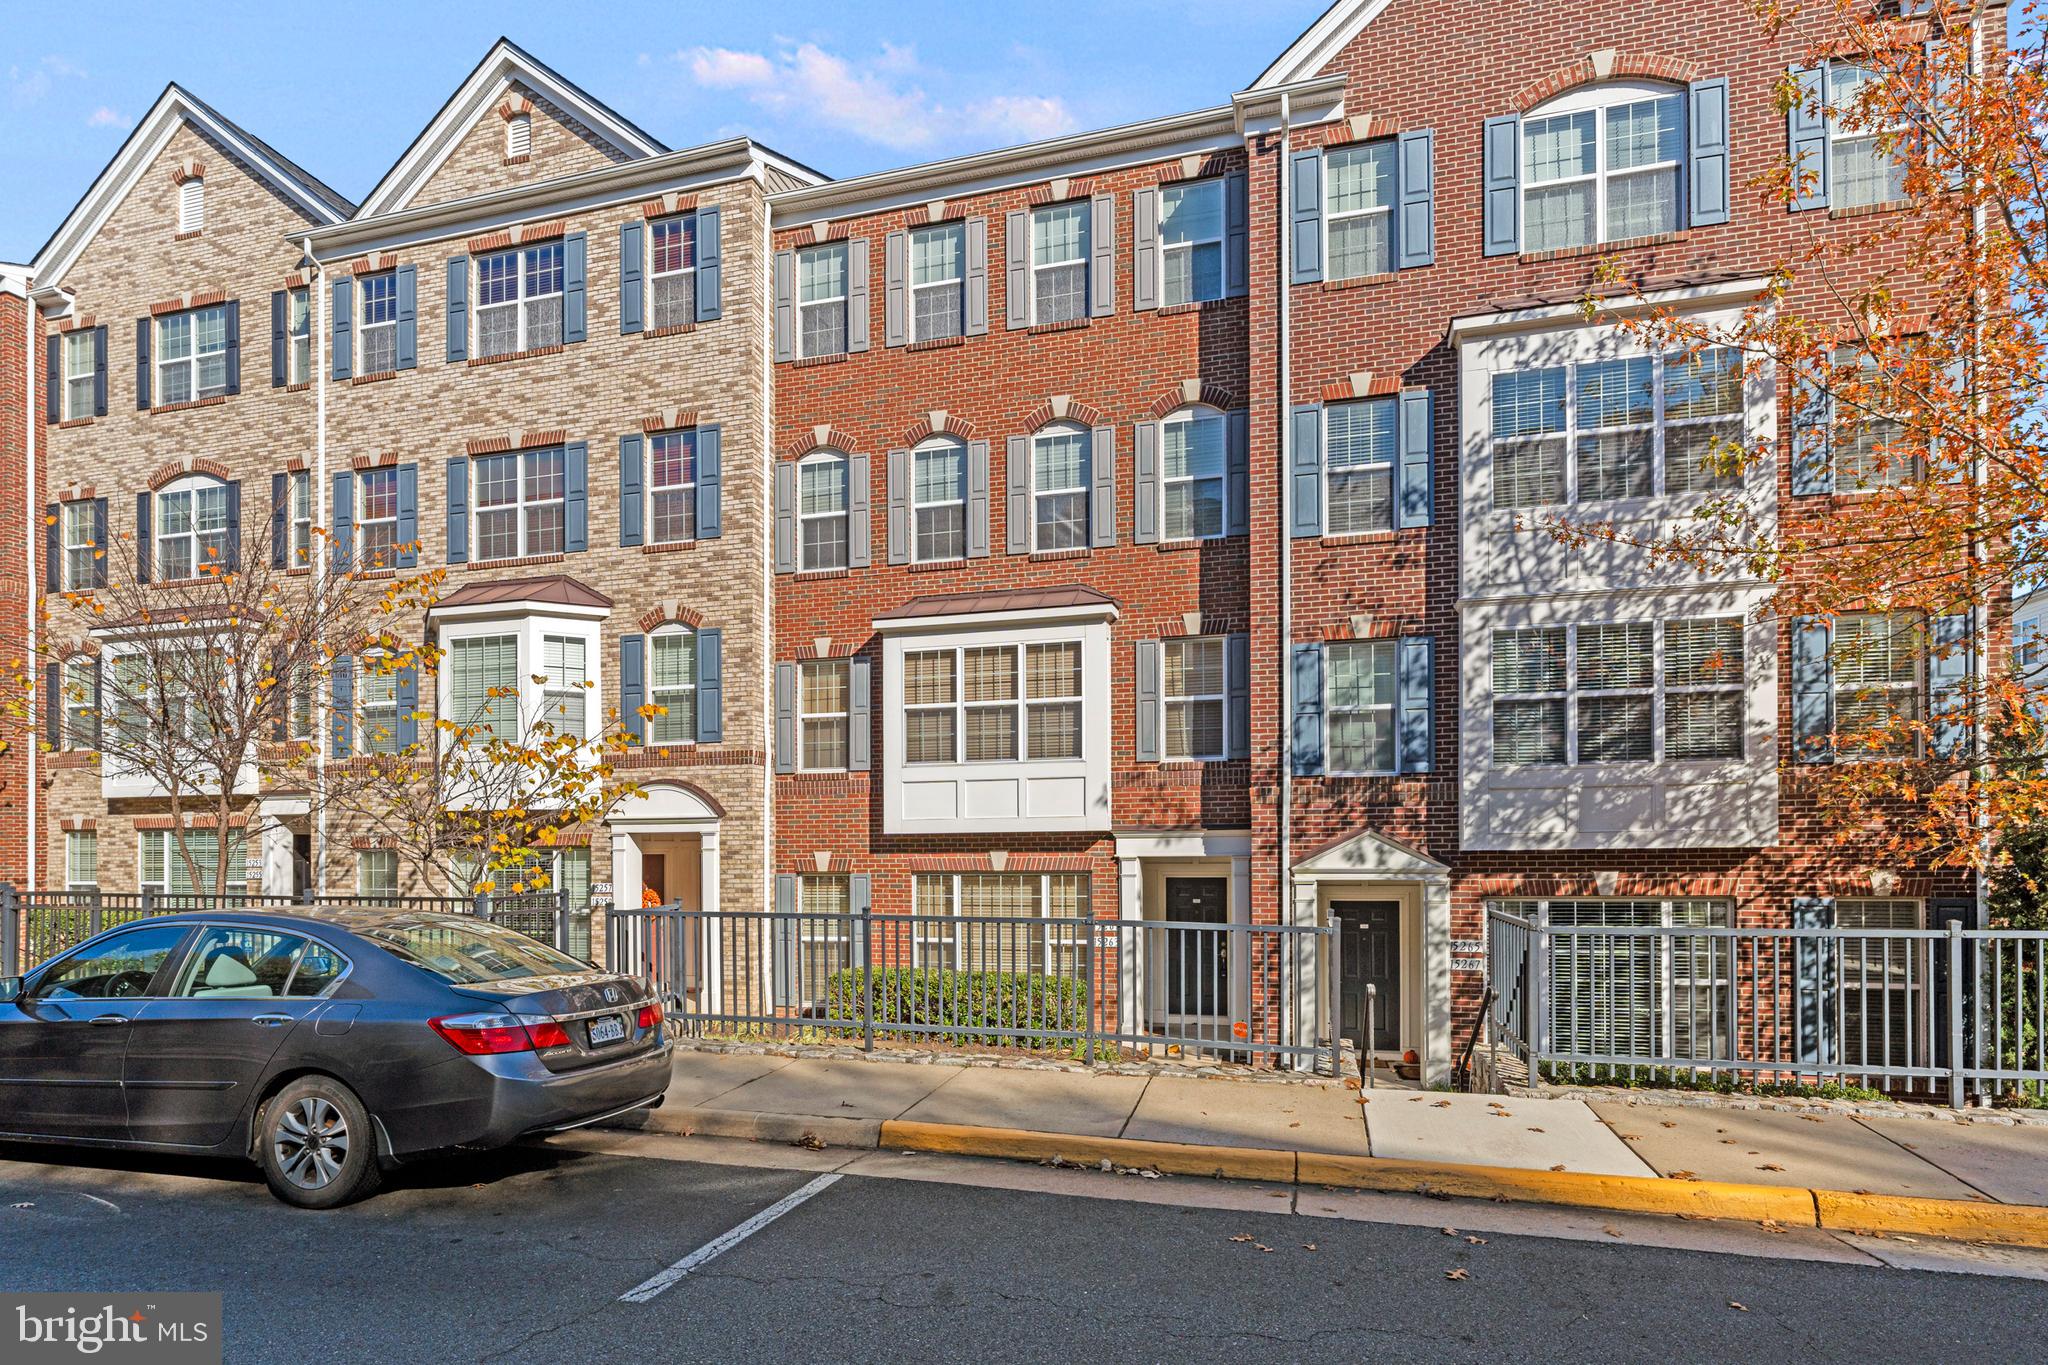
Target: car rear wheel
{"points": [[315, 1145]]}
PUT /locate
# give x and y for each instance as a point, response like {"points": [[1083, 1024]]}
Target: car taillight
{"points": [[485, 1035], [650, 1016]]}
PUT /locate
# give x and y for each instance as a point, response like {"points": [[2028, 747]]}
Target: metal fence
{"points": [[1952, 1012], [1095, 989]]}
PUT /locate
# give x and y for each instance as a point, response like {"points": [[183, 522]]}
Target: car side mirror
{"points": [[10, 989]]}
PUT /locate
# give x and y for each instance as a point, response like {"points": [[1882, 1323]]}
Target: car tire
{"points": [[316, 1146]]}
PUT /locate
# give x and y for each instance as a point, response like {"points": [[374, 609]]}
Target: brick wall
{"points": [[21, 381]]}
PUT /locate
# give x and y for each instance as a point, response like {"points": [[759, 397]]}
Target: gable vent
{"points": [[519, 135], [192, 205]]}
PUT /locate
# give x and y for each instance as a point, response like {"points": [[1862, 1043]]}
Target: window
{"points": [[1360, 189], [1604, 173], [81, 548], [123, 965], [379, 327], [823, 934], [1876, 665], [191, 529], [1861, 169], [1360, 707], [191, 204], [1617, 425], [484, 685], [1358, 459], [672, 486], [821, 300], [79, 374], [565, 687], [519, 135], [938, 500], [299, 699], [1529, 696], [1703, 688], [1059, 490], [299, 335], [377, 518], [1870, 449], [1192, 460], [377, 872], [1702, 429], [239, 964], [519, 504], [1191, 242], [1609, 995], [1193, 689], [968, 705], [163, 866], [821, 511], [675, 686], [81, 859], [1059, 263], [519, 300], [938, 297], [1001, 922], [81, 704], [1616, 674], [822, 714], [191, 355], [1596, 693], [376, 705], [1879, 981], [673, 270], [299, 495]]}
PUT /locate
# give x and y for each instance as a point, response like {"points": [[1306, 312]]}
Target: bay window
{"points": [[483, 674], [519, 300], [992, 703], [565, 685], [522, 677], [1606, 693]]}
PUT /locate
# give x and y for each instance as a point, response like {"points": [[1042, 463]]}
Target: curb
{"points": [[797, 1130]]}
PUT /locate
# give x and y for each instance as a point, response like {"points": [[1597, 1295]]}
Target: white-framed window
{"points": [[1358, 189], [299, 704], [506, 679], [938, 501], [1880, 983], [938, 281], [299, 505], [821, 300], [483, 675], [1603, 693], [565, 686], [962, 914], [1603, 164], [1360, 706], [377, 872], [992, 703], [1615, 678], [1059, 262], [519, 135], [1614, 995], [162, 867], [1702, 427], [1191, 224], [1877, 661], [81, 859], [1359, 441], [672, 487], [79, 372], [191, 355], [376, 687], [191, 528], [1703, 685], [519, 300], [821, 479], [1059, 489], [1530, 695], [672, 270], [673, 684], [298, 326], [378, 330], [376, 527], [824, 933], [1193, 452], [1868, 445], [81, 550], [1862, 170], [192, 204], [520, 510], [823, 714], [1192, 686], [81, 703]]}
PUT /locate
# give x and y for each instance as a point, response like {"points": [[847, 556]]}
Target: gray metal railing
{"points": [[1095, 989]]}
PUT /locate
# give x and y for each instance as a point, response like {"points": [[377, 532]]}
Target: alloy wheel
{"points": [[310, 1141]]}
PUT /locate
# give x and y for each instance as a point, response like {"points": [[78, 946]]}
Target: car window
{"points": [[318, 967], [238, 964], [113, 968], [469, 952]]}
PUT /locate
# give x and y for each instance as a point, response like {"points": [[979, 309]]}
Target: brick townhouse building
{"points": [[1128, 525]]}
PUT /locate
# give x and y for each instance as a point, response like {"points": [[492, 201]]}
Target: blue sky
{"points": [[846, 85]]}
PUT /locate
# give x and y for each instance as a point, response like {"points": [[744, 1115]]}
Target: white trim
{"points": [[931, 446], [1325, 38], [1098, 611], [1745, 289], [485, 611], [1186, 845]]}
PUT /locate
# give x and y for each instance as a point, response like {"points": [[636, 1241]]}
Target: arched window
{"points": [[1059, 488], [1603, 163], [673, 684], [938, 500], [1192, 467], [821, 510], [194, 524]]}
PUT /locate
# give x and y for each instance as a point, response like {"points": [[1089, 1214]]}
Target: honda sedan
{"points": [[325, 1046]]}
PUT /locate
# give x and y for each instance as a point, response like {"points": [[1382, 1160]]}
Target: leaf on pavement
{"points": [[1244, 1237], [1770, 1166], [1448, 1232], [1740, 1308], [1611, 1230], [1558, 1167], [1459, 1274]]}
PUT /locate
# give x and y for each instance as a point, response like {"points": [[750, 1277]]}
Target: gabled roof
{"points": [[505, 63], [1325, 38], [553, 590], [319, 202], [1367, 854]]}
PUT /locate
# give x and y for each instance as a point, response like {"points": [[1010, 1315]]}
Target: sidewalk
{"points": [[1979, 1181]]}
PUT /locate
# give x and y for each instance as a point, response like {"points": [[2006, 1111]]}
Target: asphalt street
{"points": [[524, 1255]]}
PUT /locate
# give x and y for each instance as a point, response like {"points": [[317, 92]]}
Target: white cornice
{"points": [[1539, 317], [924, 625], [1325, 38]]}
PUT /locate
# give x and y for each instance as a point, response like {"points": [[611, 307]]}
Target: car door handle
{"points": [[108, 1020], [271, 1020]]}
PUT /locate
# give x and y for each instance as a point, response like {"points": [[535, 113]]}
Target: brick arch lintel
{"points": [[1060, 408], [1606, 64], [672, 613], [1190, 392], [191, 464], [938, 423], [821, 437], [514, 105]]}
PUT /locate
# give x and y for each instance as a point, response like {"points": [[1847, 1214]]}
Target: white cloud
{"points": [[27, 85], [1028, 118], [104, 117]]}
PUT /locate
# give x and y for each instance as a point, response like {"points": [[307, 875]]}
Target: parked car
{"points": [[323, 1045]]}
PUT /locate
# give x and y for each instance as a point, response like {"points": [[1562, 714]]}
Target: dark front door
{"points": [[1371, 946], [1197, 960]]}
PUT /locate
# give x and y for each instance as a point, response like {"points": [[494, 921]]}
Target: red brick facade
{"points": [[21, 382]]}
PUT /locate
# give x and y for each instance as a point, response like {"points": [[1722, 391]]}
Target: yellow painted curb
{"points": [[1624, 1193], [1172, 1158], [1959, 1219]]}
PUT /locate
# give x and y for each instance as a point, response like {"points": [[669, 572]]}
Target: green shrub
{"points": [[960, 1007]]}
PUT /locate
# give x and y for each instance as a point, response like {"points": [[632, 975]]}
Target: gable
{"points": [[1368, 854], [559, 144], [1311, 53]]}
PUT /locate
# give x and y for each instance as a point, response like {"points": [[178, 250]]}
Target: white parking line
{"points": [[725, 1242]]}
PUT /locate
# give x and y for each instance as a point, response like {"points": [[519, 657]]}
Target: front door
{"points": [[1197, 960], [1371, 949]]}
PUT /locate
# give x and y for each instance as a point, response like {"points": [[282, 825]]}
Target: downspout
{"points": [[1285, 531], [323, 723], [1980, 610], [28, 426]]}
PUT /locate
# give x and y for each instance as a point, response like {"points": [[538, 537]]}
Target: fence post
{"points": [[10, 930], [1955, 1012], [1539, 991], [867, 978], [1331, 984]]}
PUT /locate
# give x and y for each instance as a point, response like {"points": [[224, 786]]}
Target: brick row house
{"points": [[1132, 525]]}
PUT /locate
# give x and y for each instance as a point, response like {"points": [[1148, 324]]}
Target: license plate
{"points": [[610, 1029]]}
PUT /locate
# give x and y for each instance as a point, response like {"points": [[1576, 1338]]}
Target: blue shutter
{"points": [[1813, 437], [1501, 183], [234, 550], [576, 496], [1417, 441], [344, 304], [710, 687], [1236, 234], [408, 516], [710, 289], [632, 501], [633, 685], [710, 493], [1147, 746], [53, 379], [458, 308], [341, 512], [1707, 151], [785, 718], [1949, 664], [1305, 214], [1306, 472], [1415, 691], [53, 548], [1308, 710], [408, 686], [859, 714], [142, 329], [1806, 138], [784, 958], [1813, 691], [278, 340], [280, 520], [99, 540], [1237, 473], [1817, 984], [233, 357], [1415, 177], [99, 371], [1237, 681], [458, 510], [53, 705], [408, 317], [575, 271], [143, 542], [632, 278], [343, 717]]}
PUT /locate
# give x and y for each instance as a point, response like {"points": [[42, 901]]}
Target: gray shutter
{"points": [[342, 716], [458, 309], [784, 956], [1306, 471], [1308, 710], [710, 482], [977, 499], [99, 540], [632, 500], [785, 306], [1415, 178], [1707, 151], [576, 497], [341, 512], [1815, 990], [1949, 664], [710, 265], [408, 317], [408, 516], [1017, 503], [860, 899], [632, 278], [859, 517], [53, 379], [977, 277], [1237, 254], [1145, 249], [575, 278], [1102, 256], [1806, 139], [278, 339], [1813, 436], [1237, 681], [99, 371], [711, 686], [232, 359], [143, 542], [1813, 691], [785, 718], [857, 306], [896, 289], [407, 680], [898, 475], [342, 305], [142, 328], [1501, 182], [1148, 701], [1145, 486], [1102, 487], [785, 516], [1017, 268], [859, 713], [1305, 214], [280, 523], [1237, 485], [458, 510], [1416, 440], [633, 685], [1415, 693]]}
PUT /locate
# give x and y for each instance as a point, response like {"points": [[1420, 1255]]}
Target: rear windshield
{"points": [[469, 952]]}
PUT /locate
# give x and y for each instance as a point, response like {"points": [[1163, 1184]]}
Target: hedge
{"points": [[957, 1007]]}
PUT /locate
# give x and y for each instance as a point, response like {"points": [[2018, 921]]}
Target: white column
{"points": [[710, 942], [1130, 904], [1436, 980], [1309, 1015]]}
